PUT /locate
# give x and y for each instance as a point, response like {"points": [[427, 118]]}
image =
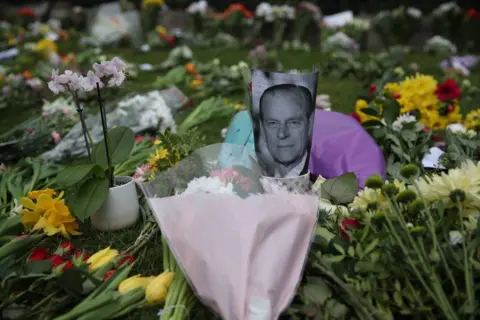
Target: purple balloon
{"points": [[341, 145]]}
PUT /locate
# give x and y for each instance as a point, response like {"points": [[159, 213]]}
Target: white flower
{"points": [[117, 79], [89, 82], [74, 80], [34, 83], [57, 84], [17, 209], [223, 133], [456, 237], [440, 44], [288, 12], [145, 47], [3, 167], [199, 7], [471, 133], [209, 185], [323, 101], [398, 124], [265, 10], [414, 12], [458, 66], [446, 7], [457, 128], [118, 64], [55, 24], [105, 68]]}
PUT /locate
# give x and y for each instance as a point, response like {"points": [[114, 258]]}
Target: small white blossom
{"points": [[265, 10], [57, 84], [457, 128], [398, 124], [199, 7], [118, 64], [456, 237], [89, 82], [74, 80], [145, 47], [117, 79], [105, 68], [223, 133]]}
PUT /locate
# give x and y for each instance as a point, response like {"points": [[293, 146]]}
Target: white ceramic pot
{"points": [[121, 209]]}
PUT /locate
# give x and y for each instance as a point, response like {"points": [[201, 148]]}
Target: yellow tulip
{"points": [[101, 258], [133, 283], [156, 290]]}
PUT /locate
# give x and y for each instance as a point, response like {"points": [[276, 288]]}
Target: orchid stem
{"points": [[105, 135], [84, 126]]}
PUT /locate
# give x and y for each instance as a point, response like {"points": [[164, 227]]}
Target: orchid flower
{"points": [[89, 82], [57, 84], [116, 79], [118, 64]]}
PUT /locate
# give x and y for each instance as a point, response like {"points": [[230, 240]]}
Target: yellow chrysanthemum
{"points": [[472, 120], [43, 212], [160, 153], [361, 104], [465, 179]]}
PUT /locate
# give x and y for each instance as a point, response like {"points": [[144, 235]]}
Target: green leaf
{"points": [[90, 197], [391, 111], [38, 267], [71, 280], [368, 267], [340, 190], [120, 143], [351, 251], [371, 112], [335, 259], [73, 175], [371, 246], [372, 123], [409, 135], [336, 309], [11, 225], [397, 297], [339, 248], [316, 291]]}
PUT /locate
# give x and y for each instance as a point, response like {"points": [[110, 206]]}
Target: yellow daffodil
{"points": [[101, 258], [157, 289], [43, 212], [134, 282]]}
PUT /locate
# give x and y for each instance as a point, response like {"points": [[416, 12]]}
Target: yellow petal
{"points": [[28, 203]]}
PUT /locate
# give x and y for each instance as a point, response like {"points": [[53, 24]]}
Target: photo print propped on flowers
{"points": [[283, 110]]}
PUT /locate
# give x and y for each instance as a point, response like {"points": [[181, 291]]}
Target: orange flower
{"points": [[190, 67], [234, 7], [27, 74]]}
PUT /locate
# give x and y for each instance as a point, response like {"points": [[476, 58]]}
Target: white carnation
{"points": [[398, 124], [209, 185]]}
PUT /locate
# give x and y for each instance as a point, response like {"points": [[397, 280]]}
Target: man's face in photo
{"points": [[286, 126]]}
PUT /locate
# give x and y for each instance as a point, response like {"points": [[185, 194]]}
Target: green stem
{"points": [[39, 304], [166, 254], [86, 135], [466, 267], [103, 116]]}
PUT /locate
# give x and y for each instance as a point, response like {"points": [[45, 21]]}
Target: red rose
{"points": [[348, 224], [81, 254], [355, 116], [372, 89], [26, 12], [129, 259], [68, 247], [109, 274], [56, 260], [38, 254], [448, 90], [66, 266], [397, 96]]}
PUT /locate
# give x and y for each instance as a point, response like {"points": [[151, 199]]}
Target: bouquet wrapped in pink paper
{"points": [[240, 239]]}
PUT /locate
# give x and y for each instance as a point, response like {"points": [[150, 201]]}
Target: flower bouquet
{"points": [[446, 20], [240, 240], [307, 22]]}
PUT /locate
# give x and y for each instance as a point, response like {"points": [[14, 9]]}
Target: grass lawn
{"points": [[343, 94]]}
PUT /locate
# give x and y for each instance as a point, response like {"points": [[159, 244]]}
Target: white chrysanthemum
{"points": [[265, 10], [457, 128], [456, 237], [398, 124], [209, 185], [369, 196]]}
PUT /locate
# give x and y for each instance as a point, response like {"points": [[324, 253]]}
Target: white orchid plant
{"points": [[91, 182]]}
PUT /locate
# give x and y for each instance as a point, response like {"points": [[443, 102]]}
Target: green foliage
{"points": [[120, 144], [340, 190]]}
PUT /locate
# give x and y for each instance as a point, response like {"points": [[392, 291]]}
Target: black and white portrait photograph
{"points": [[283, 109]]}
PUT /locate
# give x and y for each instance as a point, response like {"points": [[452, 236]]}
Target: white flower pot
{"points": [[121, 209]]}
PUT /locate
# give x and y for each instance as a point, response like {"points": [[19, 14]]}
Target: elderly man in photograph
{"points": [[286, 119]]}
